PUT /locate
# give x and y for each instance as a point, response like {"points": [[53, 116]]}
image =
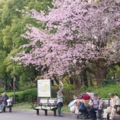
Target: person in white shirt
{"points": [[111, 109]]}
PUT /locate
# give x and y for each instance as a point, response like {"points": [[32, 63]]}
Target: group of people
{"points": [[3, 101], [94, 103], [97, 105]]}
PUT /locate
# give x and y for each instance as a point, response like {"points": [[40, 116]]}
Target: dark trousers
{"points": [[92, 113], [60, 104]]}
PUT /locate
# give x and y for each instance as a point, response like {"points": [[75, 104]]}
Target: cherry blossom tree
{"points": [[76, 33]]}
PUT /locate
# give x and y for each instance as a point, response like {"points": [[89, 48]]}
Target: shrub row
{"points": [[30, 95], [102, 91]]}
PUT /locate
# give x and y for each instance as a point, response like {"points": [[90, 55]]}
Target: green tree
{"points": [[12, 26]]}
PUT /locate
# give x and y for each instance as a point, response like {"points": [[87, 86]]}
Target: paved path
{"points": [[31, 115]]}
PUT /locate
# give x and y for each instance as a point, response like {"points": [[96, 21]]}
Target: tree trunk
{"points": [[71, 80], [100, 71], [56, 80], [85, 77], [100, 75]]}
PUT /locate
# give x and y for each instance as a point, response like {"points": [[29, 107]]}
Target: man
{"points": [[111, 109], [95, 104]]}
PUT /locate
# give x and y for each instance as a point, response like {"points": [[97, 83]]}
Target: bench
{"points": [[46, 104], [106, 103], [9, 105]]}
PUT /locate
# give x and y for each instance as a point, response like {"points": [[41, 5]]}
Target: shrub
{"points": [[108, 82], [2, 90], [28, 95], [102, 91]]}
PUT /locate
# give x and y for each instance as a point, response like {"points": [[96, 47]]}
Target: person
{"points": [[2, 105], [114, 100], [95, 104], [4, 98], [3, 101], [60, 94]]}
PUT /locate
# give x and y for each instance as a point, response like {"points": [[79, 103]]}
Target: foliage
{"points": [[85, 32], [103, 91], [108, 82], [30, 95], [12, 24], [1, 90], [26, 86]]}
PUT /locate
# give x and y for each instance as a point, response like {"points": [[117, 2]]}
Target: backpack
{"points": [[81, 107]]}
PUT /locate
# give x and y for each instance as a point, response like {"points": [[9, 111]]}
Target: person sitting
{"points": [[95, 104], [114, 100], [3, 101], [4, 98]]}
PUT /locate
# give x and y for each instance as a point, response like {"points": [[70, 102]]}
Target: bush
{"points": [[28, 95], [2, 90], [102, 91], [108, 82], [68, 93]]}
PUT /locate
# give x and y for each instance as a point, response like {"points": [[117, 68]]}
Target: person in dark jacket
{"points": [[3, 101], [4, 98]]}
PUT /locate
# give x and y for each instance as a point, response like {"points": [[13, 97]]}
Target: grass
{"points": [[65, 109], [23, 106], [27, 106]]}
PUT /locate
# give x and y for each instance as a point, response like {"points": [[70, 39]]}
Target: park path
{"points": [[31, 115]]}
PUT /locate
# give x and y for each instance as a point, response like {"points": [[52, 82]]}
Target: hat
{"points": [[111, 94], [95, 94]]}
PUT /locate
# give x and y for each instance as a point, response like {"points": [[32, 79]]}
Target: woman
{"points": [[60, 94]]}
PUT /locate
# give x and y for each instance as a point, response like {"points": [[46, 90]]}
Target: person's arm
{"points": [[61, 89], [90, 103], [117, 101]]}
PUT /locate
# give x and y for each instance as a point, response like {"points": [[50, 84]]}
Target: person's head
{"points": [[95, 96], [57, 88], [111, 95], [4, 93]]}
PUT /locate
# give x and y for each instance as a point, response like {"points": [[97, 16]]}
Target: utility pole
{"points": [[14, 80]]}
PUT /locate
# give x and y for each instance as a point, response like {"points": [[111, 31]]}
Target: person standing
{"points": [[60, 95], [95, 104], [114, 100]]}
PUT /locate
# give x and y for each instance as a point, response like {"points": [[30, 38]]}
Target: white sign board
{"points": [[44, 88]]}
